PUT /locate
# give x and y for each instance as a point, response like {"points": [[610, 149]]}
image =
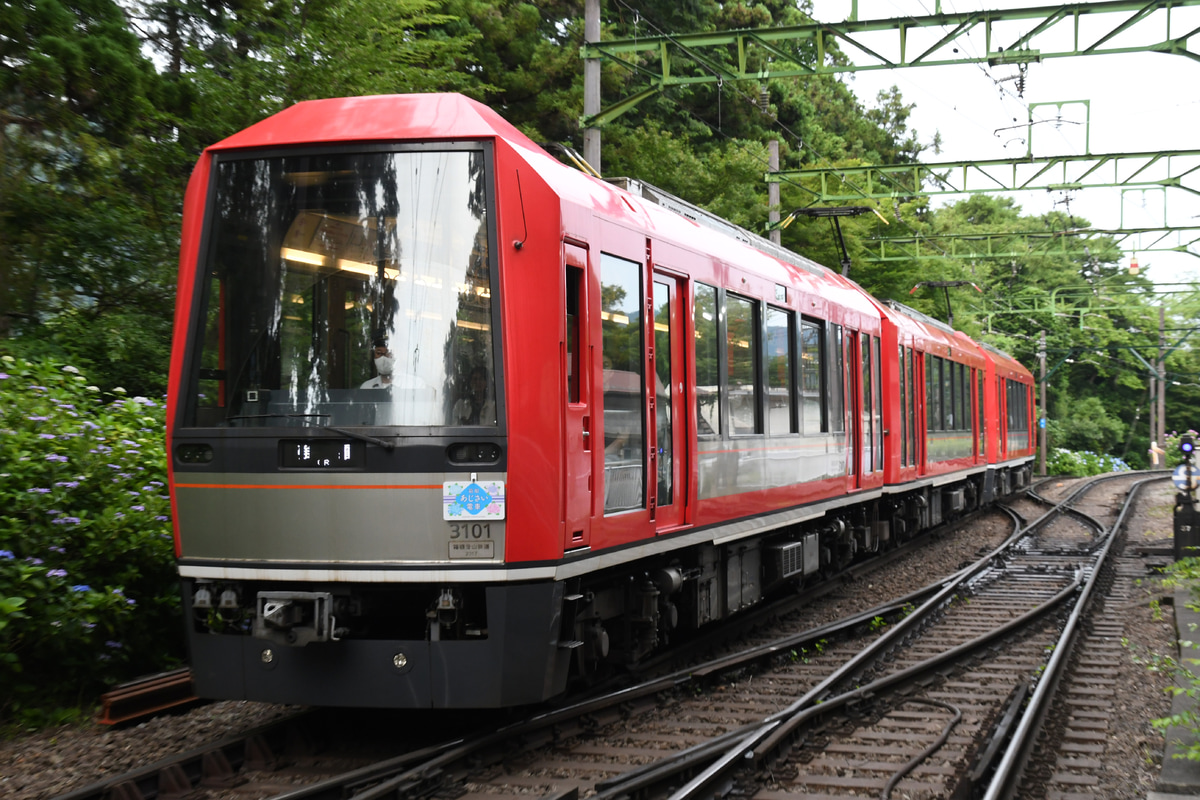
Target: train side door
{"points": [[669, 398], [854, 395], [575, 357], [1002, 419], [921, 387], [865, 390]]}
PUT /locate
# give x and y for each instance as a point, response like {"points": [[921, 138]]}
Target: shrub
{"points": [[88, 591], [1075, 462]]}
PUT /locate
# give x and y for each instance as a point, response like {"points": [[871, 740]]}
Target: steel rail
{"points": [[1006, 778], [759, 745]]}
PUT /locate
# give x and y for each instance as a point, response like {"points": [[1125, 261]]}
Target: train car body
{"points": [[451, 422], [1010, 433]]}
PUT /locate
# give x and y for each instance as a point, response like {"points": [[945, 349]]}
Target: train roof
{"points": [[377, 118], [1006, 365], [930, 332]]}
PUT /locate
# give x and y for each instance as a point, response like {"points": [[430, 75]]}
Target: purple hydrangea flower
{"points": [[55, 456], [68, 484], [7, 555], [38, 419], [56, 573], [138, 508], [56, 549], [47, 436], [81, 587], [37, 562], [113, 645], [38, 490]]}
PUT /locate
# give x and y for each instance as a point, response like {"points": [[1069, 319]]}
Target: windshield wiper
{"points": [[362, 437]]}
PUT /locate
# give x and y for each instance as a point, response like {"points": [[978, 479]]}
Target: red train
{"points": [[452, 423]]}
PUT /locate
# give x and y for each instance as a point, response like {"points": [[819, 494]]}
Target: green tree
{"points": [[88, 216]]}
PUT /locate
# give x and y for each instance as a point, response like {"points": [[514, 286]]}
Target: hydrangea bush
{"points": [[88, 591], [1082, 462]]}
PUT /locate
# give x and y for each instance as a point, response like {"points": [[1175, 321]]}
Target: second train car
{"points": [[451, 422]]}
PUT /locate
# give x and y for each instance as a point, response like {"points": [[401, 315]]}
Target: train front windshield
{"points": [[346, 289]]}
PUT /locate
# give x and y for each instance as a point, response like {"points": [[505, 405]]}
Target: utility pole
{"points": [[1042, 420], [764, 105], [591, 84], [1162, 376]]}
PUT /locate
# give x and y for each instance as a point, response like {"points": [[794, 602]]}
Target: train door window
{"points": [[933, 390], [708, 361], [947, 375], [574, 281], [877, 383], [909, 423], [621, 324], [950, 387], [868, 433], [981, 434], [964, 376], [664, 388], [903, 406], [781, 399], [814, 412], [741, 353], [849, 382], [835, 380]]}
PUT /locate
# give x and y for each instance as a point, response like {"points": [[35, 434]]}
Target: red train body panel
{"points": [[452, 423]]}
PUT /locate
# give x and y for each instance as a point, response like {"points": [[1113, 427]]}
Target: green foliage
{"points": [[1070, 462], [88, 592], [1184, 572], [1087, 426]]}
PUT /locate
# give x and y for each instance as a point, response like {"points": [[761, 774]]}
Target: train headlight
{"points": [[473, 453], [194, 453]]}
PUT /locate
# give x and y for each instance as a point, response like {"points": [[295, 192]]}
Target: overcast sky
{"points": [[1139, 102]]}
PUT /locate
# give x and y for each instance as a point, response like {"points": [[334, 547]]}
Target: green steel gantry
{"points": [[1019, 244], [728, 55], [1165, 169]]}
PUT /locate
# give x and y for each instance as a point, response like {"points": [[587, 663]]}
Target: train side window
{"points": [[781, 399], [574, 281], [708, 361], [741, 353], [210, 397], [835, 408], [622, 346], [813, 412]]}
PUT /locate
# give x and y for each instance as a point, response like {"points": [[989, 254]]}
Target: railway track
{"points": [[938, 693]]}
